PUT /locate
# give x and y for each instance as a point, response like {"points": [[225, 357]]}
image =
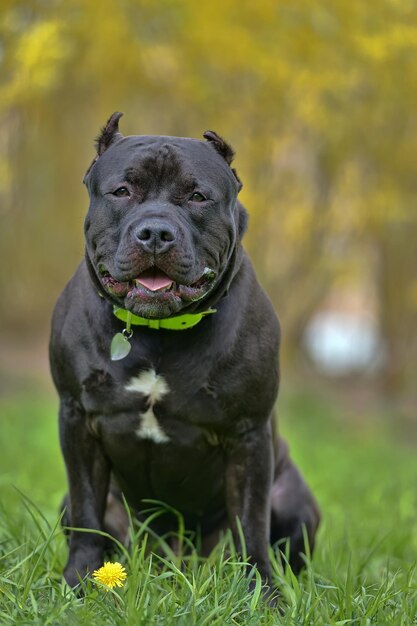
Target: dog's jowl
{"points": [[164, 351]]}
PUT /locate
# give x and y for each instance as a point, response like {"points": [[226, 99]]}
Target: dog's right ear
{"points": [[108, 135]]}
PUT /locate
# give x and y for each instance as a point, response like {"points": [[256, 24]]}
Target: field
{"points": [[362, 466]]}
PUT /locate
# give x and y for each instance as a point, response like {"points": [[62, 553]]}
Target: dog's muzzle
{"points": [[154, 290]]}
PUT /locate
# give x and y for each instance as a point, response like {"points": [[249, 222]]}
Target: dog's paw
{"points": [[79, 566], [73, 576]]}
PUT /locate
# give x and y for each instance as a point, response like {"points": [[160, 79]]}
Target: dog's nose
{"points": [[155, 236]]}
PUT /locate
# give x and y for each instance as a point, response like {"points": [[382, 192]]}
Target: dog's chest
{"points": [[153, 388], [148, 407]]}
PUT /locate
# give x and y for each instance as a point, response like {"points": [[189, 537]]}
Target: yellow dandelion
{"points": [[111, 575]]}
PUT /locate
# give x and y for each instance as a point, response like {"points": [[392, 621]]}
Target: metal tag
{"points": [[120, 347]]}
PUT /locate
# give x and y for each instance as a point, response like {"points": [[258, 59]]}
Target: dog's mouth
{"points": [[153, 285], [154, 280]]}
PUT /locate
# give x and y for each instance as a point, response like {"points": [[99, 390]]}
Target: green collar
{"points": [[180, 322]]}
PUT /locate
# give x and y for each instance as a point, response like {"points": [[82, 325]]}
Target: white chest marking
{"points": [[154, 387]]}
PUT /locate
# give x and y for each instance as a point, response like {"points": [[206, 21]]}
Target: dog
{"points": [[164, 352]]}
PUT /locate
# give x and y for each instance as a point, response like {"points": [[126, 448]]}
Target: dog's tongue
{"points": [[153, 279]]}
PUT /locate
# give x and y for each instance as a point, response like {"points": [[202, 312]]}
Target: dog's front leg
{"points": [[248, 486], [88, 473]]}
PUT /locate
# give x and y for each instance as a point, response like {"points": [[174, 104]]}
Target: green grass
{"points": [[363, 471]]}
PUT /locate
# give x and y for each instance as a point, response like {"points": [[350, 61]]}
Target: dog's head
{"points": [[164, 225]]}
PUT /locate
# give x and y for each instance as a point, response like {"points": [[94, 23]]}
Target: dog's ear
{"points": [[243, 219], [220, 145], [224, 149], [109, 133]]}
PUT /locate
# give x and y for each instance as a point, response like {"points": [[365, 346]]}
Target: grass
{"points": [[363, 471]]}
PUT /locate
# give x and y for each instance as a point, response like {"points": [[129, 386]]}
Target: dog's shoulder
{"points": [[69, 303], [72, 310], [258, 316]]}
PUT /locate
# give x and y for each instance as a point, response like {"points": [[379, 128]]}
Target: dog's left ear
{"points": [[243, 219], [108, 135], [220, 145], [224, 149]]}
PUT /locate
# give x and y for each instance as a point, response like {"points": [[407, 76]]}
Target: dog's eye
{"points": [[121, 192], [197, 197]]}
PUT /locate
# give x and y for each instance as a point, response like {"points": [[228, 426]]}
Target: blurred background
{"points": [[319, 101]]}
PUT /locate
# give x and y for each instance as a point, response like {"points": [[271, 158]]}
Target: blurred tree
{"points": [[318, 99]]}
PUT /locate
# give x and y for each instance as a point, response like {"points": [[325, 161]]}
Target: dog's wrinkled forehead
{"points": [[152, 161]]}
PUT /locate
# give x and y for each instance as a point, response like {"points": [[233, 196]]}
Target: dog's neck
{"points": [[178, 322]]}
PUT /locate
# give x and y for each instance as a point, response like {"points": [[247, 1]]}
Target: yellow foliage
{"points": [[5, 176], [397, 39], [297, 222], [38, 56]]}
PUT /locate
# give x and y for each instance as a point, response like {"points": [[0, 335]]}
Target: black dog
{"points": [[184, 411]]}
